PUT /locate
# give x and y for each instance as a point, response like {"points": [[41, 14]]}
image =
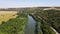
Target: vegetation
{"points": [[15, 23], [43, 26], [54, 19], [47, 19], [14, 26], [5, 16]]}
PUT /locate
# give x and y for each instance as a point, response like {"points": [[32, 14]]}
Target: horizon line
{"points": [[31, 6]]}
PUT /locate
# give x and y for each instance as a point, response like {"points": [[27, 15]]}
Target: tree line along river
{"points": [[31, 26]]}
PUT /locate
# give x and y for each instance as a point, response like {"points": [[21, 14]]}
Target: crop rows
{"points": [[47, 19]]}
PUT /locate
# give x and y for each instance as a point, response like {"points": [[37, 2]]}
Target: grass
{"points": [[5, 15], [14, 25]]}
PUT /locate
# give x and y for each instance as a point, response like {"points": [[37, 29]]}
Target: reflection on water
{"points": [[30, 27]]}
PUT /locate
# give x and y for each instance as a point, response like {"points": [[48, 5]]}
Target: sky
{"points": [[28, 3]]}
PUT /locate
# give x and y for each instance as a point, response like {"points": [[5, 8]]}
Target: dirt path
{"points": [[55, 30]]}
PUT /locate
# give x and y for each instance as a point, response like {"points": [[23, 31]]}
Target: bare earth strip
{"points": [[54, 30]]}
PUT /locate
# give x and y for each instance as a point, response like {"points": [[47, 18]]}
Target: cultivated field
{"points": [[6, 15]]}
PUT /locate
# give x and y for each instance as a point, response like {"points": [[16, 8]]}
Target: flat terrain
{"points": [[6, 15]]}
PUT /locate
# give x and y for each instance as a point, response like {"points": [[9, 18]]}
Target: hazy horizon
{"points": [[28, 3]]}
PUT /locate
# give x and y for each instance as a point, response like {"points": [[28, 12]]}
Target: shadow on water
{"points": [[31, 26]]}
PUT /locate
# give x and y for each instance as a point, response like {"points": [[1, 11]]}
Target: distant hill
{"points": [[29, 8]]}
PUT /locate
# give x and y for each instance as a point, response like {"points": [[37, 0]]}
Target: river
{"points": [[30, 27]]}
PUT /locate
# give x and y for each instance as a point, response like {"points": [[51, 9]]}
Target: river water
{"points": [[30, 27]]}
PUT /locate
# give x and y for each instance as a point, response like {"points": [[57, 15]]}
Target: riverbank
{"points": [[39, 29]]}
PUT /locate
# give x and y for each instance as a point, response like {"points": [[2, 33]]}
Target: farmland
{"points": [[12, 23], [20, 21], [47, 19], [6, 15]]}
